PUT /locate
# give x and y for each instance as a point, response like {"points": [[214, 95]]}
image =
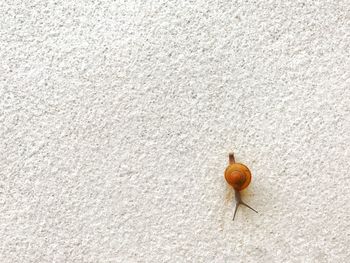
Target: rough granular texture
{"points": [[116, 119]]}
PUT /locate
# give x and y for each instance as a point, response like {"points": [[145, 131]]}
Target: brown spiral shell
{"points": [[238, 176]]}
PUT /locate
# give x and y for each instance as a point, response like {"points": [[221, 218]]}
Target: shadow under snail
{"points": [[238, 176]]}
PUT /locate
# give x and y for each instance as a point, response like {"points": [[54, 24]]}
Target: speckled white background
{"points": [[117, 118]]}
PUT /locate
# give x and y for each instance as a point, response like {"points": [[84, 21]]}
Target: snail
{"points": [[238, 176]]}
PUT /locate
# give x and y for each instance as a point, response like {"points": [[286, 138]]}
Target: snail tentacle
{"points": [[234, 214], [240, 202]]}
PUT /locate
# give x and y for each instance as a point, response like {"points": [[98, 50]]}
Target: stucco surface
{"points": [[116, 119]]}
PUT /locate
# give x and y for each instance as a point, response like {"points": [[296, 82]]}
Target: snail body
{"points": [[239, 177]]}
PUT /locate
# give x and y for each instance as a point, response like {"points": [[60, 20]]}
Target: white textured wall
{"points": [[116, 120]]}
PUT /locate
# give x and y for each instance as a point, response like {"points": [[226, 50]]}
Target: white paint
{"points": [[117, 118]]}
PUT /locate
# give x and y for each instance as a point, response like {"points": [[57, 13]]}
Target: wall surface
{"points": [[116, 119]]}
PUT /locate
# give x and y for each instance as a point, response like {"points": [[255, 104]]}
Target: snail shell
{"points": [[238, 176]]}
